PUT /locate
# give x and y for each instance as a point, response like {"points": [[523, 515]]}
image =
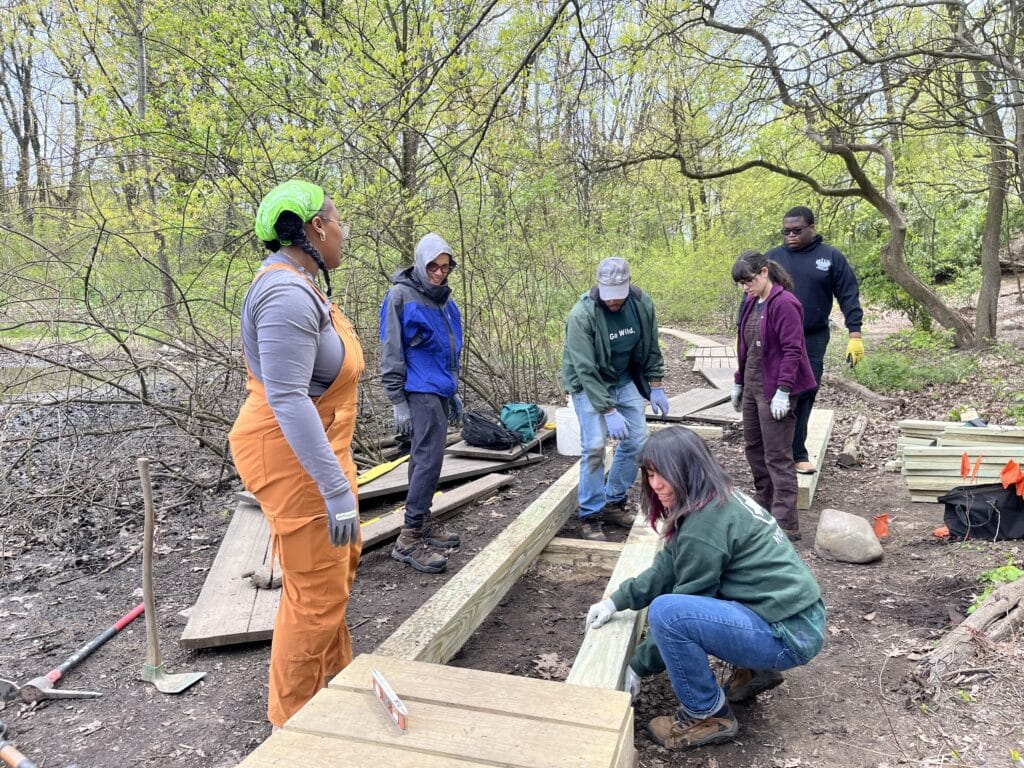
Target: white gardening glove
{"points": [[631, 684], [737, 396], [343, 518], [780, 405], [599, 613]]}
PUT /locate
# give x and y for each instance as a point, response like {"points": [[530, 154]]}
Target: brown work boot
{"points": [[744, 684], [590, 527], [436, 537], [680, 731], [618, 514], [412, 548]]}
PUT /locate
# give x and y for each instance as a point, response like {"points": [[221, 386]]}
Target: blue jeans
{"points": [[594, 492], [687, 628]]}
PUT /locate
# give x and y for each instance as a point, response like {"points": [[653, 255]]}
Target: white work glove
{"points": [[780, 405], [737, 397], [343, 518], [659, 402], [631, 684], [599, 613], [617, 426], [403, 418]]}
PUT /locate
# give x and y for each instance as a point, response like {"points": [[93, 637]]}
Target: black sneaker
{"points": [[744, 684], [680, 731]]}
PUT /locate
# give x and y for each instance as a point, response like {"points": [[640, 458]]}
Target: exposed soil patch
{"points": [[857, 704]]}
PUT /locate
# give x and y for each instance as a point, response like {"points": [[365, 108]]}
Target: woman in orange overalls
{"points": [[291, 440]]}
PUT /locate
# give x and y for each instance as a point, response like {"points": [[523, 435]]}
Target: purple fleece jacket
{"points": [[783, 352]]}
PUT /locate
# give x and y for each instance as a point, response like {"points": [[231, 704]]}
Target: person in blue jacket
{"points": [[421, 343], [820, 274]]}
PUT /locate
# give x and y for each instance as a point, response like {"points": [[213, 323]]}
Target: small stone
{"points": [[846, 538]]}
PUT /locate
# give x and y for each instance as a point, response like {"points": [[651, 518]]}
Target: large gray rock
{"points": [[847, 538]]}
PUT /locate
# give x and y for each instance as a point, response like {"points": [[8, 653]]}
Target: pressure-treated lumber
{"points": [[850, 455], [438, 629], [452, 468], [705, 431], [602, 658], [819, 429], [680, 406], [991, 435], [580, 552], [229, 610], [456, 717]]}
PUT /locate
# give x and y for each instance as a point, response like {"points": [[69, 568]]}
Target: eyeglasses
{"points": [[344, 226], [748, 281], [792, 231], [434, 268]]}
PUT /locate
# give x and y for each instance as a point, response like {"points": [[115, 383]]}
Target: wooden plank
{"points": [[679, 406], [993, 434], [462, 448], [1004, 451], [287, 748], [717, 351], [438, 629], [693, 338], [479, 691], [453, 468], [602, 658], [702, 430], [229, 609], [385, 528], [719, 414], [720, 378], [441, 729], [580, 552], [819, 429], [938, 485]]}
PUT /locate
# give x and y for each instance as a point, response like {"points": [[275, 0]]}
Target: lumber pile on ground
{"points": [[931, 455]]}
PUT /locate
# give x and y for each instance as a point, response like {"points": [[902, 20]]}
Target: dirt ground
{"points": [[857, 704]]}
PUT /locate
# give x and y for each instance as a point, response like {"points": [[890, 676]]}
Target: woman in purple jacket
{"points": [[773, 370]]}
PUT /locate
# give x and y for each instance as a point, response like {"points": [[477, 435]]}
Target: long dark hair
{"points": [[291, 228], [686, 464], [751, 262]]}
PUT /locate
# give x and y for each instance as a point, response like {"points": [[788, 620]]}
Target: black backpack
{"points": [[483, 429], [986, 511]]}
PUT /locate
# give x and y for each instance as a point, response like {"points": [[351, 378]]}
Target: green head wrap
{"points": [[300, 197]]}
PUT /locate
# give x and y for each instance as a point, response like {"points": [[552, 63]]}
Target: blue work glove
{"points": [[780, 405], [659, 403], [455, 410], [631, 684], [737, 397], [403, 418], [617, 426], [343, 518], [599, 613]]}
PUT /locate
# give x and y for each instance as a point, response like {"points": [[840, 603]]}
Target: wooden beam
{"points": [[819, 429], [580, 552], [230, 609], [443, 623], [704, 431], [602, 658], [452, 468], [692, 338], [680, 406]]}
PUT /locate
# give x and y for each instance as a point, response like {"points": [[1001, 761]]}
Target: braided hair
{"points": [[291, 228]]}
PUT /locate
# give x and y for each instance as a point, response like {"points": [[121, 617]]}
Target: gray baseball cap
{"points": [[613, 279]]}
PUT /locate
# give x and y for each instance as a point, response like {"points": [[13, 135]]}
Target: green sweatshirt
{"points": [[587, 354], [731, 551]]}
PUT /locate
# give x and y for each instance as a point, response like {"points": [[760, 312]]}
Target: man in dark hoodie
{"points": [[611, 363], [820, 273], [421, 343]]}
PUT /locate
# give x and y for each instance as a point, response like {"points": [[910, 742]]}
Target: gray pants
{"points": [[429, 432]]}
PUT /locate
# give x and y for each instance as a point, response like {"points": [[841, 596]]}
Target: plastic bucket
{"points": [[567, 432]]}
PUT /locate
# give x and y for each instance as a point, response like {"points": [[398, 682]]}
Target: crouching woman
{"points": [[727, 583]]}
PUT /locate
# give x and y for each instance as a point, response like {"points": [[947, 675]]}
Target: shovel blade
{"points": [[168, 683]]}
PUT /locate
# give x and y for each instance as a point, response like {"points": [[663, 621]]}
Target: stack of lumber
{"points": [[933, 470], [916, 432]]}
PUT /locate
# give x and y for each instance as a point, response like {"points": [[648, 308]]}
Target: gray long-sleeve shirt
{"points": [[291, 347]]}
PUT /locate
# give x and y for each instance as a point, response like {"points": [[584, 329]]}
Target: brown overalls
{"points": [[311, 641]]}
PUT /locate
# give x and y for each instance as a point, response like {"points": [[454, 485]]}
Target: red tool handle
{"points": [[78, 656]]}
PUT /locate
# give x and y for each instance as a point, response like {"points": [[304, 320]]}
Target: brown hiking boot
{"points": [[680, 731], [412, 549], [617, 514], [436, 537], [746, 683], [590, 527]]}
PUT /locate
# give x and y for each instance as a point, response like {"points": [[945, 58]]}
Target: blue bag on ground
{"points": [[523, 418]]}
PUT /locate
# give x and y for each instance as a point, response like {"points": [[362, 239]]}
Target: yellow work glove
{"points": [[854, 352]]}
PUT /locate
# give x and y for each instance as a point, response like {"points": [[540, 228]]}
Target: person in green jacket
{"points": [[611, 364], [727, 583]]}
